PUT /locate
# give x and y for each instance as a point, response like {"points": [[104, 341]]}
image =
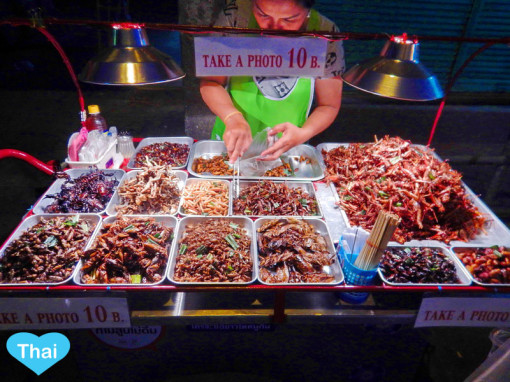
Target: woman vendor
{"points": [[245, 105]]}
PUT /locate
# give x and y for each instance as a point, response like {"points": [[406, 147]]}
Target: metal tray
{"points": [[149, 141], [168, 221], [308, 172], [321, 228], [56, 187], [305, 186], [335, 217], [462, 273], [496, 230], [196, 180], [111, 211], [242, 221], [327, 146], [32, 221], [461, 248]]}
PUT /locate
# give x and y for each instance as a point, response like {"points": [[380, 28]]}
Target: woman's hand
{"points": [[292, 136], [237, 136], [329, 95]]}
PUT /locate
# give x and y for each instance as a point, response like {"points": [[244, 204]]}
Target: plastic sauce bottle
{"points": [[95, 121]]}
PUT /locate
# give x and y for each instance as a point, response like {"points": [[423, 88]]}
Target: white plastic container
{"points": [[110, 159]]}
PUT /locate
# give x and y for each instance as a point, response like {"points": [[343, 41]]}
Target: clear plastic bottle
{"points": [[95, 121]]}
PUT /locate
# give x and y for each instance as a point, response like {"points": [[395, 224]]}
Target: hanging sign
{"points": [[63, 313], [260, 56], [464, 311]]}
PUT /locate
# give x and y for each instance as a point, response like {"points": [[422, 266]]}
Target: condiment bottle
{"points": [[95, 121]]}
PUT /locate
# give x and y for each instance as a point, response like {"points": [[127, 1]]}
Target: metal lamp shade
{"points": [[130, 60], [396, 73]]}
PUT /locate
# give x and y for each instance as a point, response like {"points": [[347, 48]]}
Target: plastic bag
{"points": [[496, 368], [254, 167], [97, 144], [76, 143], [250, 165], [498, 337], [261, 141], [353, 239]]}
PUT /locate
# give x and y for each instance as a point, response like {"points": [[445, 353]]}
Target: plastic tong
{"points": [[235, 183]]}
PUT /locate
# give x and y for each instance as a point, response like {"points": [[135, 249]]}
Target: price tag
{"points": [[63, 313], [260, 56], [464, 311]]}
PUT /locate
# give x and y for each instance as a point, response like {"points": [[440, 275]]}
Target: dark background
{"points": [[39, 111]]}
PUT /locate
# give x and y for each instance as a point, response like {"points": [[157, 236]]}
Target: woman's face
{"points": [[279, 14]]}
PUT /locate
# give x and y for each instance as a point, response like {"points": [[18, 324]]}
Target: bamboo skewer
{"points": [[382, 231]]}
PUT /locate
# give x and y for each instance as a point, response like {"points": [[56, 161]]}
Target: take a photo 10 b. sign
{"points": [[260, 56]]}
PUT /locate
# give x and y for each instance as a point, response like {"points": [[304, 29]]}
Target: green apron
{"points": [[261, 112]]}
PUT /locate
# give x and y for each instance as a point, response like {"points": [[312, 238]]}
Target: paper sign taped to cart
{"points": [[464, 311], [63, 313], [260, 56]]}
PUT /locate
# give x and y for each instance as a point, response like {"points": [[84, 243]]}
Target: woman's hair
{"points": [[306, 3]]}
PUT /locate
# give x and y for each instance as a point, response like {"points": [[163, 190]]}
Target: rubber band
{"points": [[230, 115]]}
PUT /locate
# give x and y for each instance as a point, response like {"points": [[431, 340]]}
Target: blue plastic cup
{"points": [[354, 276]]}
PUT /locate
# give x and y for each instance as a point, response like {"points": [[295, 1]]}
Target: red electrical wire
{"points": [[57, 46], [9, 153], [450, 85]]}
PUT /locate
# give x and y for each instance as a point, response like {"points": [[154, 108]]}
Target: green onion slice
{"points": [[231, 241], [136, 279]]}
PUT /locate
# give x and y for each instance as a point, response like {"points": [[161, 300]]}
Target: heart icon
{"points": [[38, 353]]}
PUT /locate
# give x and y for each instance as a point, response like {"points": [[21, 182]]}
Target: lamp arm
{"points": [[56, 45], [450, 85], [63, 55]]}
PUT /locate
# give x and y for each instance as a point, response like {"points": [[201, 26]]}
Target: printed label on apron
{"points": [[275, 87]]}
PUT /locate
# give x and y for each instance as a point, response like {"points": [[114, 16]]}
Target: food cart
{"points": [[251, 306]]}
